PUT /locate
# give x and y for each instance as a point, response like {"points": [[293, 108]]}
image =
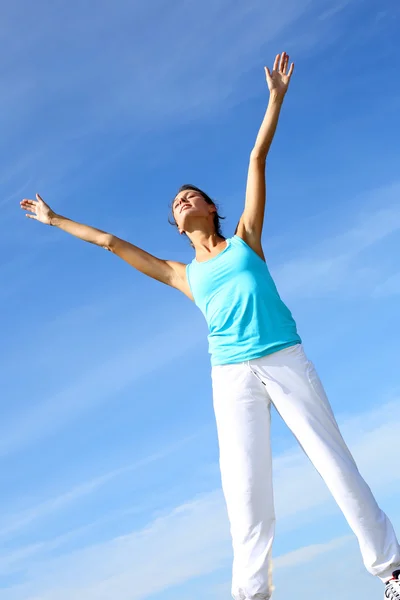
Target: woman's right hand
{"points": [[41, 211]]}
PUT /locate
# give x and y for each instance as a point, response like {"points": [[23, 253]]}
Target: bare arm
{"points": [[169, 272], [251, 222], [79, 230]]}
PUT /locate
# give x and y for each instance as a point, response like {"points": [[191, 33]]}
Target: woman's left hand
{"points": [[279, 78]]}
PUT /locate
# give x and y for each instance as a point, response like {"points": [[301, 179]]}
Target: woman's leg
{"points": [[298, 395], [242, 411]]}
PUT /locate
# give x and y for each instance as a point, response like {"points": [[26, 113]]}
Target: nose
{"points": [[178, 205]]}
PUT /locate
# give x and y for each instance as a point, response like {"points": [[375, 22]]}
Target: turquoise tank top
{"points": [[245, 315]]}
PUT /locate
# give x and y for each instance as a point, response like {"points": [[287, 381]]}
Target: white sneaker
{"points": [[392, 590]]}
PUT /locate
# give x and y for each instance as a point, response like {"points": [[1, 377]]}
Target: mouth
{"points": [[184, 207]]}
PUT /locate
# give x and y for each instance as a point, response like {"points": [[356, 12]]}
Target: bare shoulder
{"points": [[251, 239], [179, 279]]}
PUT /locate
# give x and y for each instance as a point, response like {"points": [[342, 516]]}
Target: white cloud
{"points": [[195, 58], [131, 66], [193, 540], [308, 553], [330, 570], [17, 521], [388, 287], [337, 263], [334, 10], [117, 371]]}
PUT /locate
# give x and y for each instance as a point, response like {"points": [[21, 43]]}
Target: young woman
{"points": [[257, 359]]}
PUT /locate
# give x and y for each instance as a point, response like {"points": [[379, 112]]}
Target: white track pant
{"points": [[243, 394]]}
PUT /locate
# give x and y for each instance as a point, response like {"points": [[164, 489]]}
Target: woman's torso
{"points": [[238, 297]]}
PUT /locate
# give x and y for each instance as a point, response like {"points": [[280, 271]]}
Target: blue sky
{"points": [[109, 459]]}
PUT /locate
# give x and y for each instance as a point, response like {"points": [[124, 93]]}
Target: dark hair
{"points": [[217, 217]]}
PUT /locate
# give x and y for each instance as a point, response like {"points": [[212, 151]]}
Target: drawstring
{"points": [[254, 373]]}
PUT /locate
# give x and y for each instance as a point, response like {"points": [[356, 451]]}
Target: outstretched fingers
{"points": [[283, 62], [29, 205], [279, 78], [26, 203], [37, 209]]}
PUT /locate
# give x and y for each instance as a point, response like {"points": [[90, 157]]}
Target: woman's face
{"points": [[189, 204]]}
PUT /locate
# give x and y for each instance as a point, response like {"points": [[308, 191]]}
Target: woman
{"points": [[257, 359]]}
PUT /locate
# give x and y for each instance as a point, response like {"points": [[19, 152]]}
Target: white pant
{"points": [[243, 394]]}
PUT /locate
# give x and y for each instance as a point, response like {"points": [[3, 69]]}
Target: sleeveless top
{"points": [[245, 315]]}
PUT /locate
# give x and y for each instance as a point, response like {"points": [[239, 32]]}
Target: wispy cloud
{"points": [[129, 561], [193, 65], [334, 567], [13, 523], [337, 264], [388, 287], [116, 371], [307, 553], [197, 46]]}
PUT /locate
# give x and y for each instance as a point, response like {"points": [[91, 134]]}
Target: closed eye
{"points": [[184, 198]]}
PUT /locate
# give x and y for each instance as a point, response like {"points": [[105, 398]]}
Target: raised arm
{"points": [[252, 219], [169, 272]]}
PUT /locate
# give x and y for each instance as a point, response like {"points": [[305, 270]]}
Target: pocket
{"points": [[317, 387], [218, 374], [221, 380], [314, 380]]}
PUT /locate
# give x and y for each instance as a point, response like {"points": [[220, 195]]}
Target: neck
{"points": [[202, 234], [205, 242]]}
